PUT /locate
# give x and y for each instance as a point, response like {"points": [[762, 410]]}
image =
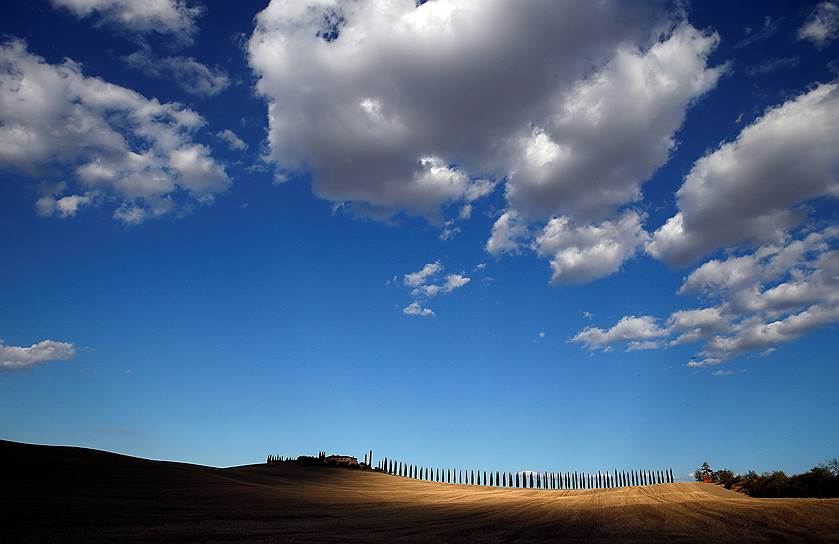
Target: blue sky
{"points": [[627, 228]]}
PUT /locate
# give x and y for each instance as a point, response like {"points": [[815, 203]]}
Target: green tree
{"points": [[703, 472]]}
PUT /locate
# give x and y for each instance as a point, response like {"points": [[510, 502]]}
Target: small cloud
{"points": [[233, 141], [415, 309], [449, 231], [189, 74], [727, 372], [772, 65], [643, 345], [587, 315], [822, 26], [17, 357], [541, 334]]}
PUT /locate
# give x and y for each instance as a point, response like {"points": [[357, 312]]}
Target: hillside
{"points": [[61, 494]]}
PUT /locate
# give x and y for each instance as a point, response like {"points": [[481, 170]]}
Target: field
{"points": [[59, 494]]}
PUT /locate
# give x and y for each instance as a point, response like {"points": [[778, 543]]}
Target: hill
{"points": [[59, 494]]}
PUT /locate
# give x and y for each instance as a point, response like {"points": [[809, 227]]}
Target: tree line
{"points": [[821, 481], [528, 479]]}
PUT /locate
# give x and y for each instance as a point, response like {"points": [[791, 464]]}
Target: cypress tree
{"points": [[517, 480], [671, 475], [531, 480]]}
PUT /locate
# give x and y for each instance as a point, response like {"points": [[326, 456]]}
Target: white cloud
{"points": [[628, 328], [199, 173], [583, 253], [15, 357], [186, 72], [822, 26], [773, 295], [429, 282], [612, 130], [415, 309], [508, 232], [115, 143], [572, 104], [233, 141], [416, 279], [65, 206], [173, 17], [746, 191]]}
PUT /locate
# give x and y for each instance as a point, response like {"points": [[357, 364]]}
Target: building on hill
{"points": [[340, 460]]}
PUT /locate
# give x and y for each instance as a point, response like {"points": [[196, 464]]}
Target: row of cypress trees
{"points": [[528, 480]]}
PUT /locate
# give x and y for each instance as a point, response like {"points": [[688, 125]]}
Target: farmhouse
{"points": [[341, 460]]}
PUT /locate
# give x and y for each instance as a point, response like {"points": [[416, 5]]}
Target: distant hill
{"points": [[62, 494]]}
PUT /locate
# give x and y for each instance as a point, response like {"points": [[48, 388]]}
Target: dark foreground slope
{"points": [[58, 494]]}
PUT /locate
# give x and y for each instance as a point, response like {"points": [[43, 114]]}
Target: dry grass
{"points": [[68, 494]]}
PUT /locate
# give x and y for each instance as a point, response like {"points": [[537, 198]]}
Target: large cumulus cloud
{"points": [[395, 107], [750, 190]]}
